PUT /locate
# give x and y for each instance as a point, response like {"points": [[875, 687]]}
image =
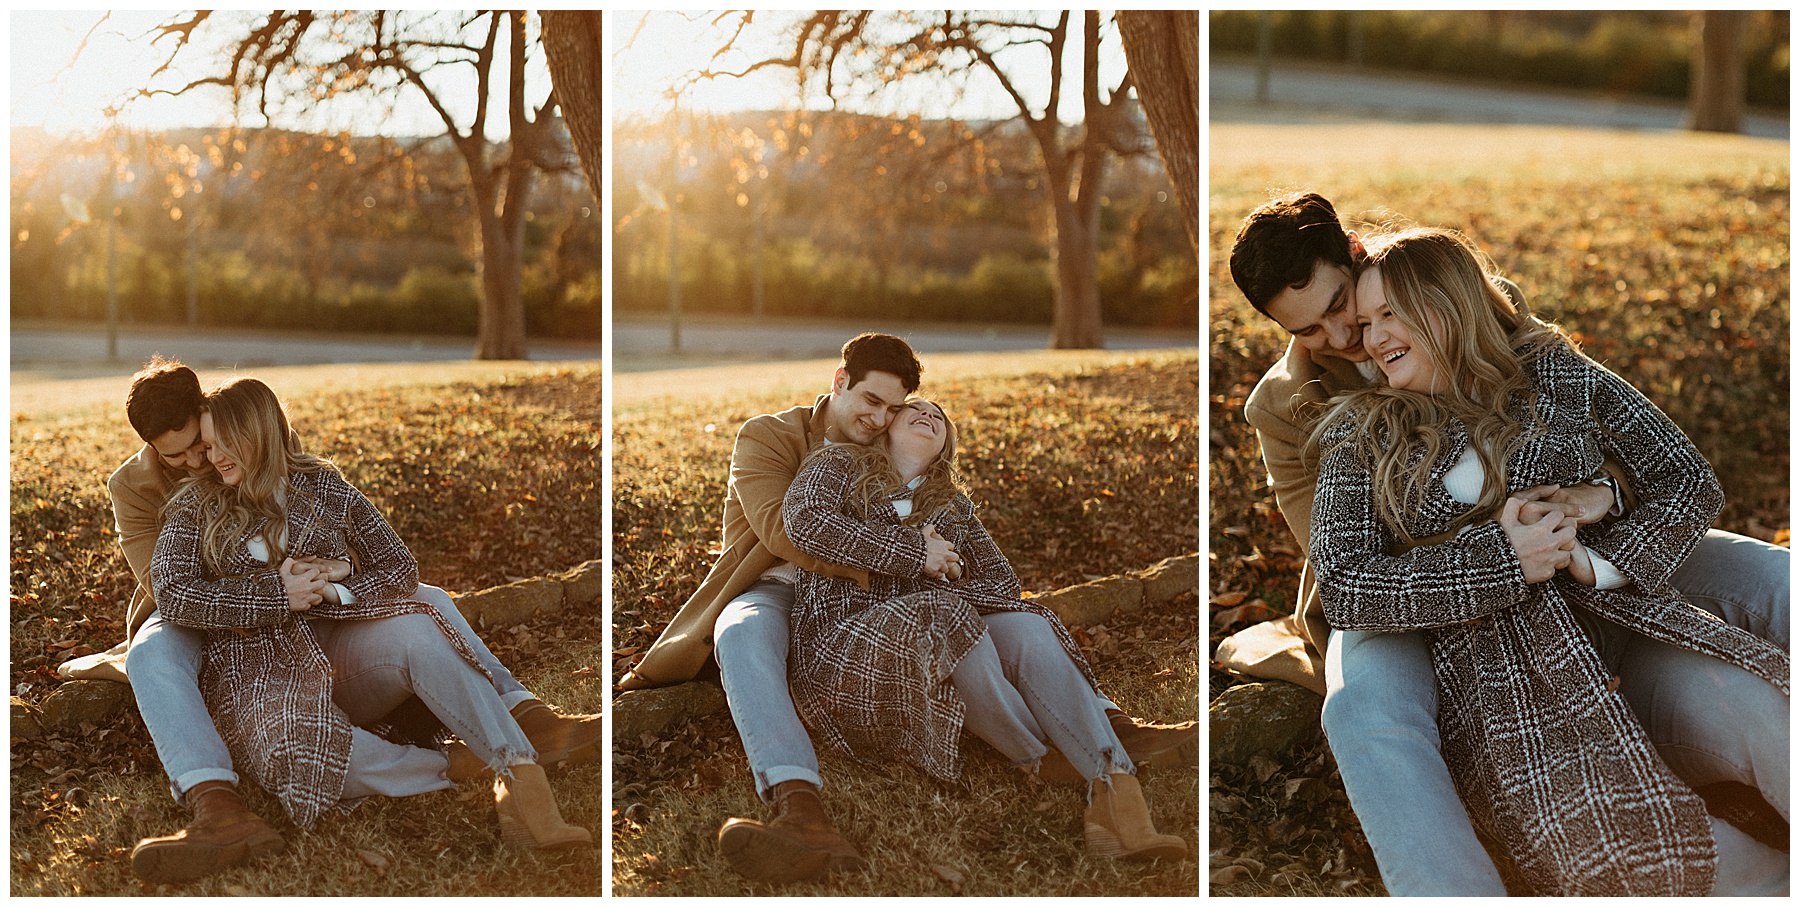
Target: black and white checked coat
{"points": [[1549, 761], [265, 678], [869, 669]]}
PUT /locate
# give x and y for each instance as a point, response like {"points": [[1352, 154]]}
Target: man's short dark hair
{"points": [[164, 395], [872, 352], [1282, 242]]}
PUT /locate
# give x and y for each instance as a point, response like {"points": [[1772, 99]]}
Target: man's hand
{"points": [[1543, 547], [1585, 503], [940, 555], [304, 583], [334, 571]]}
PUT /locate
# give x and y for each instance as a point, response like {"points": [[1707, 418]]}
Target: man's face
{"points": [[860, 414], [182, 448], [1322, 314]]}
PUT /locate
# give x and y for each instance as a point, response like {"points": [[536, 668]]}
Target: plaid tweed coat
{"points": [[265, 678], [1548, 758], [869, 669]]}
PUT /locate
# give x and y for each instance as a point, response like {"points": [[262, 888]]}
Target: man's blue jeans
{"points": [[164, 666], [1711, 723]]}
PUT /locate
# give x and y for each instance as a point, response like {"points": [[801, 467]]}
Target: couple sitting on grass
{"points": [[280, 628], [858, 591], [1532, 631]]}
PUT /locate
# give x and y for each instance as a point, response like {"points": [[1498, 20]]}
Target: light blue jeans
{"points": [[376, 665], [164, 666], [1710, 721], [1022, 693], [750, 641]]}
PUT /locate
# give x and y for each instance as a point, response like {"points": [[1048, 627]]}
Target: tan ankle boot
{"points": [[1117, 823], [798, 844], [573, 739], [528, 814], [223, 834]]}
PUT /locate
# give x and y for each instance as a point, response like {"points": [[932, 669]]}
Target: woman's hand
{"points": [[334, 571], [305, 584], [940, 555], [1543, 546], [1581, 566]]}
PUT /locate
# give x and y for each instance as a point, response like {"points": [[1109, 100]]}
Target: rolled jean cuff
{"points": [[765, 783], [188, 780], [516, 698]]}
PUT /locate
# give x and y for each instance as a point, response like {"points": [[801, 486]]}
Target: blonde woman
{"points": [[304, 655], [1548, 636], [893, 671]]}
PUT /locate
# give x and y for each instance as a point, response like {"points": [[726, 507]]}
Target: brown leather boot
{"points": [[798, 844], [223, 834], [1147, 743], [1117, 823], [571, 739]]}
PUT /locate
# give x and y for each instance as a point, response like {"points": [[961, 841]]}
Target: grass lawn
{"points": [[488, 476], [1081, 469], [1665, 254]]}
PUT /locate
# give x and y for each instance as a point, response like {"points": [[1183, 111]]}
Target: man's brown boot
{"points": [[223, 834], [798, 844], [1148, 744], [572, 739]]}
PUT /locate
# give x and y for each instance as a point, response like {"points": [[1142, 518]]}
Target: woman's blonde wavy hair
{"points": [[1438, 285], [876, 480], [251, 427]]}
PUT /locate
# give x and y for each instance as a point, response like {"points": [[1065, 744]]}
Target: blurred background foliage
{"points": [[1627, 52], [846, 214], [277, 228]]}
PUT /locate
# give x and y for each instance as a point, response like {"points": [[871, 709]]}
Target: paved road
{"points": [[1314, 94], [44, 352]]}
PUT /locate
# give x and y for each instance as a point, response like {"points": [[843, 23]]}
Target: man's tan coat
{"points": [[764, 461]]}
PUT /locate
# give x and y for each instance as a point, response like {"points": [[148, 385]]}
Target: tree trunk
{"points": [[501, 330], [573, 51], [1716, 88], [1163, 49]]}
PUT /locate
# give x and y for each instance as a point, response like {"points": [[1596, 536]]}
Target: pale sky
{"points": [[46, 92], [670, 44]]}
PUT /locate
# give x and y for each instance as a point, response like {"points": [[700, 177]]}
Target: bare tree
{"points": [[1716, 88], [833, 49], [1163, 47], [572, 48], [284, 58]]}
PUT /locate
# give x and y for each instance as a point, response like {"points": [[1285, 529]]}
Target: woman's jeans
{"points": [[1711, 722], [750, 641], [376, 665], [164, 667], [1025, 692]]}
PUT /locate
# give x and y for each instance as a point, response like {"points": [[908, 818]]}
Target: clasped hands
{"points": [[941, 559], [1540, 522], [308, 580]]}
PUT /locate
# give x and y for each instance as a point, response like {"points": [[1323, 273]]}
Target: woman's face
{"points": [[918, 430], [229, 471], [1389, 342]]}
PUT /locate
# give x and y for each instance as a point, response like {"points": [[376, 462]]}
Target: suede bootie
{"points": [[528, 813], [223, 834], [798, 843], [1117, 823]]}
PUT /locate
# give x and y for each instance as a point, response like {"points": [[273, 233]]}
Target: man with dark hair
{"points": [[162, 660], [1292, 259], [739, 616]]}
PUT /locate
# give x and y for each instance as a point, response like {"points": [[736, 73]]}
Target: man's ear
{"points": [[1357, 252], [840, 381]]}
